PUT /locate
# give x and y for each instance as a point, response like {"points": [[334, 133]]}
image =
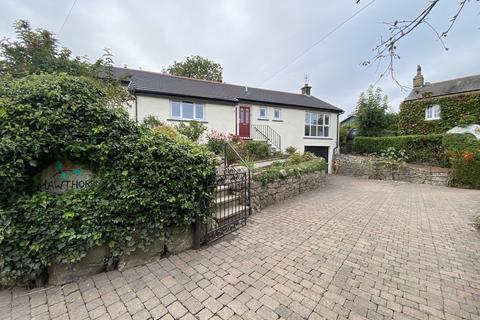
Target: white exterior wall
{"points": [[221, 117], [292, 128]]}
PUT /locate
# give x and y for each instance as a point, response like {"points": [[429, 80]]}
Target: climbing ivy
{"points": [[457, 110], [145, 182]]}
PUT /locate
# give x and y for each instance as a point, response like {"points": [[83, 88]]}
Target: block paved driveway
{"points": [[357, 249]]}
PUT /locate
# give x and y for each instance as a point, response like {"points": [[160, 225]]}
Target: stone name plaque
{"points": [[64, 175]]}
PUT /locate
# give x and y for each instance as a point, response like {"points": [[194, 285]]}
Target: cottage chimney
{"points": [[418, 80], [306, 89]]}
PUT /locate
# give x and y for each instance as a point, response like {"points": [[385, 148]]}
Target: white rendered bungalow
{"points": [[282, 119]]}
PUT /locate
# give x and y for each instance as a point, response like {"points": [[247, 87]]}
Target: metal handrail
{"points": [[227, 144], [269, 134]]}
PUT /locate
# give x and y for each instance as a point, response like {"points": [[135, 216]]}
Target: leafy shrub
{"points": [[464, 153], [296, 158], [418, 149], [458, 143], [166, 130], [216, 141], [151, 122], [283, 170], [257, 149], [193, 130], [140, 188], [307, 156], [291, 150], [395, 155]]}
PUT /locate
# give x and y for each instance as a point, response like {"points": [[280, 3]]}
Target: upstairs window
{"points": [[277, 115], [317, 124], [186, 110], [432, 112], [263, 113]]}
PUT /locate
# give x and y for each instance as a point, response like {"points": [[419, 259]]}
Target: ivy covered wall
{"points": [[455, 110]]}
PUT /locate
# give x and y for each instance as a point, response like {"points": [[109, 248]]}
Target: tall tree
{"points": [[371, 113], [198, 68]]}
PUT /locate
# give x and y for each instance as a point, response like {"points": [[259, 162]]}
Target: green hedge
{"points": [[140, 189], [464, 153], [457, 110], [418, 148]]}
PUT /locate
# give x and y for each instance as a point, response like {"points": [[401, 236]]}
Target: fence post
{"points": [[196, 232]]}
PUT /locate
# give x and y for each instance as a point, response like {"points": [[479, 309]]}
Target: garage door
{"points": [[318, 151]]}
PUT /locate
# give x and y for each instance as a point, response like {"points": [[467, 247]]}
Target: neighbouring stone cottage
{"points": [[440, 106]]}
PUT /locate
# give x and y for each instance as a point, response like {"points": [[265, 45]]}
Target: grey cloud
{"points": [[254, 39]]}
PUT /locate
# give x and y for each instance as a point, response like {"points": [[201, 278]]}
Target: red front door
{"points": [[244, 121]]}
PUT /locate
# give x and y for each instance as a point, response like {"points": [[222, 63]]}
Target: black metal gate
{"points": [[231, 204]]}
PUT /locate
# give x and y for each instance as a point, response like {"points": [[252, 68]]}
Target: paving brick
{"points": [[177, 310], [358, 249]]}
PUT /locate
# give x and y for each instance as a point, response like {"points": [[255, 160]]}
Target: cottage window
{"points": [[432, 112], [277, 114], [186, 110], [263, 113], [317, 124]]}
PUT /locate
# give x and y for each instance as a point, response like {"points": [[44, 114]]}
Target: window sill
{"points": [[186, 120], [277, 120], [318, 138], [262, 119]]}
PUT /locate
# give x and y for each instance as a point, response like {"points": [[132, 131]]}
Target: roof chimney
{"points": [[418, 79], [306, 89]]}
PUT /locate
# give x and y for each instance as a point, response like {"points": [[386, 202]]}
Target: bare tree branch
{"points": [[399, 29]]}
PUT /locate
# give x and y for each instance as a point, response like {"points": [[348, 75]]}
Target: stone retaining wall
{"points": [[174, 242], [263, 196], [374, 168]]}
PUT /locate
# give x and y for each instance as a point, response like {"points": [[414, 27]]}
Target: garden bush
{"points": [[292, 167], [463, 151], [139, 190], [418, 148], [256, 150], [192, 130]]}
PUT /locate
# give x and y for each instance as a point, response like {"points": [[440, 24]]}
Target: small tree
{"points": [[371, 113], [192, 130], [38, 51], [198, 68]]}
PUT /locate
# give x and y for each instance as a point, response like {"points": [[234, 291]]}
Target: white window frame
{"points": [[279, 114], [432, 112], [322, 126], [260, 113], [195, 105]]}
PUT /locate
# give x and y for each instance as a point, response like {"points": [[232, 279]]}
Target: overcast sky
{"points": [[255, 39]]}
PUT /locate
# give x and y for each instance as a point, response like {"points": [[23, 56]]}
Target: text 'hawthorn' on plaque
{"points": [[61, 176]]}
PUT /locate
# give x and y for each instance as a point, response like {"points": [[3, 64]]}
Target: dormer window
{"points": [[432, 112]]}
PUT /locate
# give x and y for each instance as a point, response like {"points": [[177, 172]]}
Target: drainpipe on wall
{"points": [[338, 130]]}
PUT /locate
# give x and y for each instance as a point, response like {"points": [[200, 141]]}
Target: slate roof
{"points": [[160, 83], [454, 86]]}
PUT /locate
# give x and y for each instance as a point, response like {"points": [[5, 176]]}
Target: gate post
{"points": [[196, 232]]}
